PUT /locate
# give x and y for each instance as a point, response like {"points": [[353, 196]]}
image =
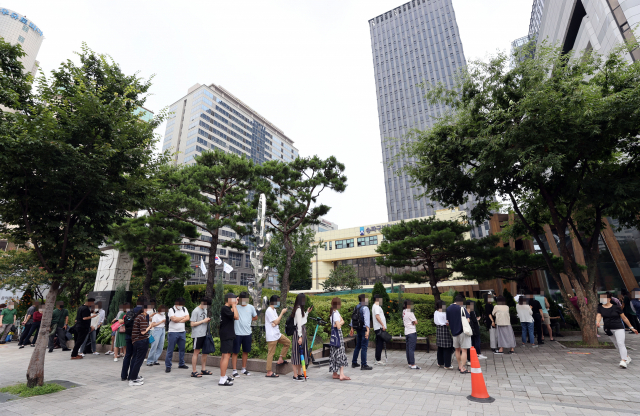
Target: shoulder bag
{"points": [[335, 335], [466, 327], [209, 346]]}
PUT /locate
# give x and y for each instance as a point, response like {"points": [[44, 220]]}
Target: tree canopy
{"points": [[343, 277], [300, 273]]}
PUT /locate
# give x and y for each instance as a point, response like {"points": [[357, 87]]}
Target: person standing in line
{"points": [[8, 320], [444, 342], [228, 316], [629, 310], [613, 318], [489, 321], [95, 325], [411, 336], [338, 358], [379, 325], [120, 344], [299, 339], [158, 332], [525, 314], [199, 324], [536, 308], [273, 335], [83, 324], [28, 322], [35, 327], [177, 334], [475, 326], [506, 337], [242, 327], [129, 319], [461, 342], [59, 325], [546, 319], [362, 334], [140, 343]]}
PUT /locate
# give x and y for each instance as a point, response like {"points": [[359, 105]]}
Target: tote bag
{"points": [[335, 335], [209, 346], [466, 328]]}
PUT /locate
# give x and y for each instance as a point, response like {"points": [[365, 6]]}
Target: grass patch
{"points": [[582, 344], [23, 391]]}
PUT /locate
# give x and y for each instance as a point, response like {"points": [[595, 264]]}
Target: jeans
{"points": [[444, 356], [175, 337], [139, 352], [126, 362], [412, 340], [157, 346], [81, 334], [362, 344], [379, 345], [537, 324], [91, 336], [527, 329], [62, 337], [25, 334]]}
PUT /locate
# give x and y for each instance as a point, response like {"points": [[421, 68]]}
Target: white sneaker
{"points": [[96, 353], [482, 357], [140, 378], [379, 363], [108, 353], [133, 383], [628, 360], [82, 355], [115, 359], [623, 364]]}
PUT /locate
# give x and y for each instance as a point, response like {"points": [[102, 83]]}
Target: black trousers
{"points": [[62, 337], [126, 362], [140, 349], [475, 343], [25, 334], [634, 321], [81, 334], [444, 356], [537, 326], [379, 345]]}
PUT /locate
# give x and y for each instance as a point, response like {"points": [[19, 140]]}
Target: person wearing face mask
{"points": [[299, 339], [443, 336], [158, 332], [177, 316], [361, 321], [199, 323], [242, 327], [379, 325], [28, 322], [410, 334], [140, 343], [506, 337], [8, 320], [59, 324], [96, 323], [489, 321], [35, 327], [273, 335], [83, 326], [120, 345], [613, 318], [456, 312], [228, 316]]}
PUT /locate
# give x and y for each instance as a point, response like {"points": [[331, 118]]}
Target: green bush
{"points": [[23, 391], [104, 335]]}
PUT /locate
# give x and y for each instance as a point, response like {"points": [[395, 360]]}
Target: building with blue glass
{"points": [[416, 42]]}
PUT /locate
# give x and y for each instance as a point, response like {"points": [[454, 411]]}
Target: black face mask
{"points": [[60, 306]]}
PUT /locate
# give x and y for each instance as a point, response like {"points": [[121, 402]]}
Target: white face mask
{"points": [[177, 307], [149, 311], [10, 306], [204, 308], [604, 301], [162, 313]]}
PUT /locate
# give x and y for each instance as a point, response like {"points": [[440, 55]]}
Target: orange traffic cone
{"points": [[479, 391]]}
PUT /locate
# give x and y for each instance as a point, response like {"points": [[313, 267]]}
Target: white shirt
{"points": [[408, 318], [300, 320], [377, 311], [525, 313], [157, 318], [517, 298], [440, 318], [335, 317], [180, 312], [98, 319], [272, 332]]}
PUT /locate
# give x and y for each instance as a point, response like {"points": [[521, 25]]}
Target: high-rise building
{"points": [[324, 226], [416, 42], [584, 25], [210, 117], [536, 17], [18, 29]]}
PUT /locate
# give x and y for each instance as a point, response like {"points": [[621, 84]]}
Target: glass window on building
{"points": [[20, 39], [362, 241]]}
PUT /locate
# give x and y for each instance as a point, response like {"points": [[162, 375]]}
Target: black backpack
{"points": [[167, 319], [357, 318], [128, 318], [289, 326]]}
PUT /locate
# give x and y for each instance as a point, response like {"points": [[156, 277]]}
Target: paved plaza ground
{"points": [[550, 380]]}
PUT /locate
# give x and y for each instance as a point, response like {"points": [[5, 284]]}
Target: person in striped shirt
{"points": [[140, 342]]}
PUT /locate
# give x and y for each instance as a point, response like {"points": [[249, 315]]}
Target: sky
{"points": [[304, 65]]}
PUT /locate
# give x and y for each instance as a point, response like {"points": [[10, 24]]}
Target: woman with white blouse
{"points": [[444, 341], [299, 339], [338, 360], [504, 332]]}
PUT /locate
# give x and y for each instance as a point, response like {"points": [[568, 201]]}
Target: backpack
{"points": [[128, 318], [289, 326], [167, 319], [357, 318]]}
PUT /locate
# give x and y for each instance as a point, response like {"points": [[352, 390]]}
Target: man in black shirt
{"points": [[488, 321], [83, 326], [537, 317], [228, 314]]}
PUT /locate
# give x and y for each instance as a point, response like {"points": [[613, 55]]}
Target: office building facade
{"points": [[584, 25], [16, 28], [416, 42], [208, 118]]}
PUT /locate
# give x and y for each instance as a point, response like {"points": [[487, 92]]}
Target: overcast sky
{"points": [[305, 65]]}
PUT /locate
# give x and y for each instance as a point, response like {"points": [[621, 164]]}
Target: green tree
{"points": [[558, 136], [300, 273], [430, 246], [211, 194], [20, 269], [343, 277], [153, 241], [75, 158], [293, 201], [177, 290], [379, 289], [119, 298]]}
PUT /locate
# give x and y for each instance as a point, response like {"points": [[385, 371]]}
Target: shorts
{"points": [[226, 346], [114, 333], [244, 341], [198, 343], [545, 319], [462, 341]]}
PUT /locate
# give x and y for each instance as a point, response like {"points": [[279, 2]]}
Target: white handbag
{"points": [[466, 327]]}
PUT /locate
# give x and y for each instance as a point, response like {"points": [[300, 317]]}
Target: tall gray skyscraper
{"points": [[416, 42]]}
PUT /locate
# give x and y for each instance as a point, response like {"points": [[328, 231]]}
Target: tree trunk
{"points": [[588, 327], [284, 289], [211, 271], [35, 372], [433, 282]]}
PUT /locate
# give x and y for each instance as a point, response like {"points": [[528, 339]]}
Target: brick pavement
{"points": [[543, 381]]}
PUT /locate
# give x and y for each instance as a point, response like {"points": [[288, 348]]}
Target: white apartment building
{"points": [[16, 28]]}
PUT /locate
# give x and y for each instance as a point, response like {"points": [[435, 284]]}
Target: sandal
{"points": [[195, 374], [345, 378], [463, 372], [205, 372], [227, 382], [273, 375]]}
